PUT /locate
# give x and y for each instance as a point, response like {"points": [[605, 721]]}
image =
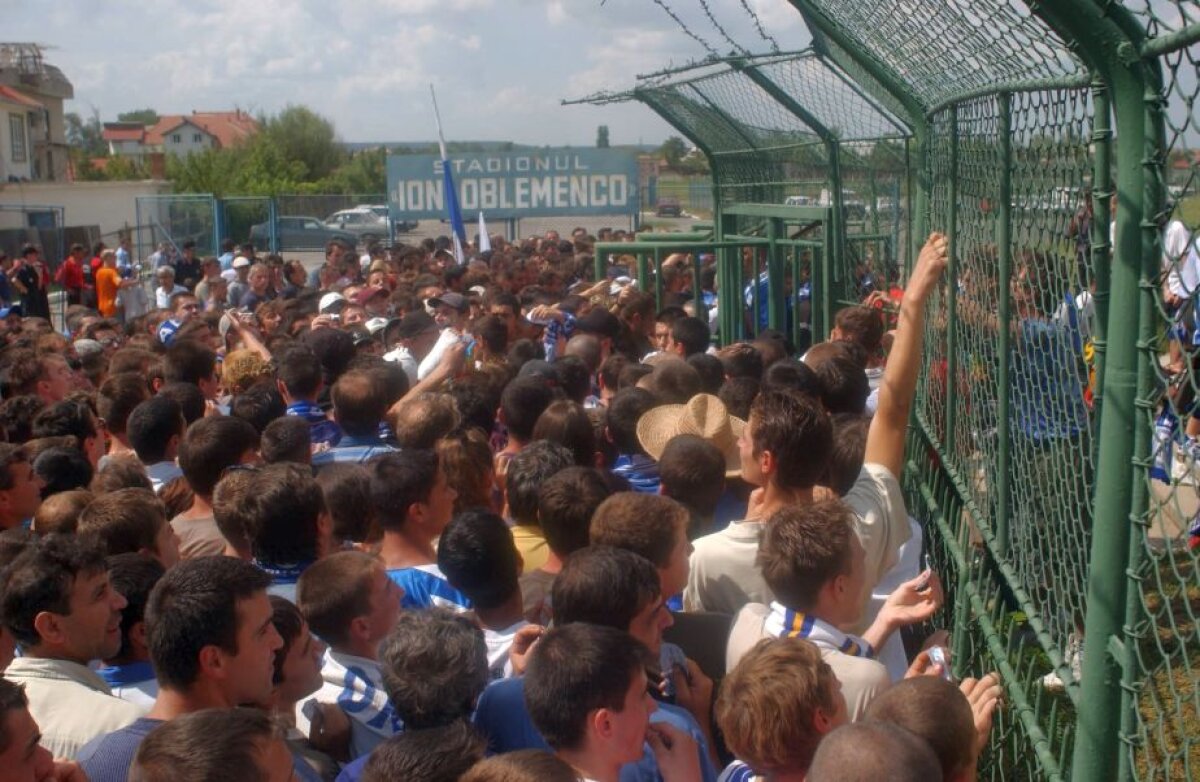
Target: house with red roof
{"points": [[180, 134], [33, 143]]}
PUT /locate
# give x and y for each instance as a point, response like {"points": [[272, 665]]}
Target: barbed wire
{"points": [[759, 26], [707, 46], [708, 12]]}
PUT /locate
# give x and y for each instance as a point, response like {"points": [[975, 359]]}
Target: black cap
{"points": [[540, 369], [455, 301]]}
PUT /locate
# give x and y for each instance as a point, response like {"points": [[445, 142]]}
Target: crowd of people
{"points": [[406, 517]]}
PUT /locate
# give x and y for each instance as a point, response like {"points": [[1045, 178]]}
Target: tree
{"points": [[602, 137], [143, 116], [304, 136], [86, 136], [673, 150]]}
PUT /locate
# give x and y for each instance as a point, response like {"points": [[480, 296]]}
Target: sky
{"points": [[501, 67]]}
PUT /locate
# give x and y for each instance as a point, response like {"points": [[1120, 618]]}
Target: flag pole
{"points": [[458, 231]]}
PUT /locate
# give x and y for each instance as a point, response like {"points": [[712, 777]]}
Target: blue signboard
{"points": [[503, 185]]}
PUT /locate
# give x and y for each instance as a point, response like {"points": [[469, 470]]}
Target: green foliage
{"points": [[673, 150], [301, 135], [602, 137], [256, 167], [144, 116], [86, 135]]}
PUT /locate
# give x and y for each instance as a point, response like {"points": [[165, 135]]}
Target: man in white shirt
{"points": [[451, 316], [415, 335]]}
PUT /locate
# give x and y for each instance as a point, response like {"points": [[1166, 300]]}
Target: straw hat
{"points": [[705, 416]]}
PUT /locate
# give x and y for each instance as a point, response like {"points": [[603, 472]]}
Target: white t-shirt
{"points": [[723, 575], [499, 643], [447, 338]]}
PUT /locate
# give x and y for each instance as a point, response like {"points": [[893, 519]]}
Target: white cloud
{"points": [[556, 12]]}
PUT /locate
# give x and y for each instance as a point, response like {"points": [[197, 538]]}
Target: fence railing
{"points": [[1053, 455]]}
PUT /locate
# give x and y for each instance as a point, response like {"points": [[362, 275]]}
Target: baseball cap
{"points": [[540, 369], [376, 325], [331, 302], [240, 262], [415, 324], [366, 294], [454, 301]]}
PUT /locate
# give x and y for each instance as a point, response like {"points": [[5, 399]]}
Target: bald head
{"points": [[872, 751], [587, 348]]}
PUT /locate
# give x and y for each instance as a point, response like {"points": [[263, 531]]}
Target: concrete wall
{"points": [[109, 205]]}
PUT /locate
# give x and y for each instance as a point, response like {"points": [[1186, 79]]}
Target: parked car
{"points": [[384, 213], [361, 221], [668, 207], [299, 233], [798, 200]]}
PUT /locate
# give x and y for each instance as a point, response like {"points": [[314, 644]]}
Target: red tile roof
{"points": [[9, 95], [123, 132], [227, 127]]}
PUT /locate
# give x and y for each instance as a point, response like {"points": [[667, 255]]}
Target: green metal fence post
{"points": [[1004, 330], [952, 286], [776, 291], [1102, 192], [837, 248], [1108, 39]]}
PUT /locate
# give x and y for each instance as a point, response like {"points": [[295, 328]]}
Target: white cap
{"points": [[330, 299], [376, 325], [229, 275], [482, 291], [240, 262], [619, 284]]}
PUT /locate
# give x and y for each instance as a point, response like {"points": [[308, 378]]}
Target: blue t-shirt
{"points": [[1047, 383], [107, 758], [640, 470], [425, 587], [321, 429], [502, 718]]}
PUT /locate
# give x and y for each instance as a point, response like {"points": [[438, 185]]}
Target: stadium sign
{"points": [[504, 185]]}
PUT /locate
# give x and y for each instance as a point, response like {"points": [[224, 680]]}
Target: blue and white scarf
{"points": [[786, 623]]}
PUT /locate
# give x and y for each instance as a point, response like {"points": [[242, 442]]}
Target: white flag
{"points": [[485, 241]]}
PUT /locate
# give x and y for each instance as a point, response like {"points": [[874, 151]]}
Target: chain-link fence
{"points": [[1055, 450]]}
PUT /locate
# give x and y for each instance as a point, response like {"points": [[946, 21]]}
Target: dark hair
{"points": [[359, 403], [193, 606], [797, 431], [117, 397], [493, 333], [125, 521], [646, 524], [151, 425], [605, 586], [712, 373], [398, 481], [673, 381], [212, 445], [862, 325], [573, 671], [12, 698], [436, 754], [62, 469], [692, 333], [844, 385], [206, 745], [610, 370], [528, 469], [628, 406], [346, 488], [334, 348], [189, 397], [68, 417], [873, 750], [17, 414], [477, 555], [134, 576], [188, 361], [334, 591], [288, 623], [10, 454], [573, 377], [566, 502], [803, 547], [299, 369], [935, 710], [849, 449], [738, 394], [741, 360], [566, 422], [692, 472], [434, 665], [284, 505], [258, 405], [423, 420], [231, 510], [477, 401], [41, 578], [287, 439], [522, 402], [790, 374]]}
